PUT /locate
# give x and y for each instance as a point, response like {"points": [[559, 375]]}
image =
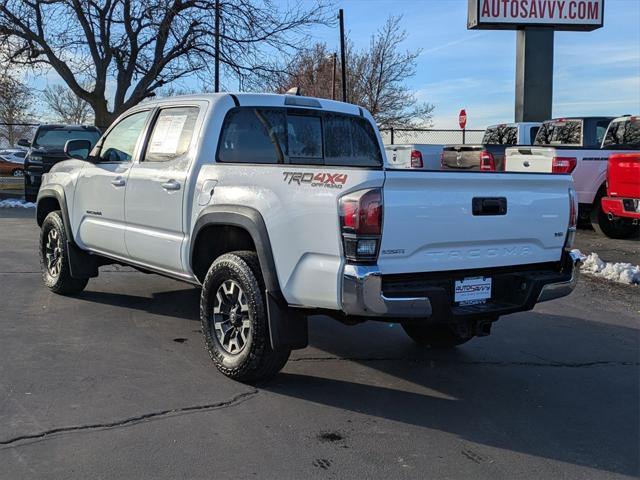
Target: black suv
{"points": [[47, 149]]}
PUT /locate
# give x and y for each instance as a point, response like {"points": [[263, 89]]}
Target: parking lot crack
{"points": [[235, 400]]}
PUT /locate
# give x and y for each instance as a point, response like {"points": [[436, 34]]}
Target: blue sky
{"points": [[594, 73]]}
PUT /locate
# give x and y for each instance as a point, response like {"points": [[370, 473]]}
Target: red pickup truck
{"points": [[622, 203]]}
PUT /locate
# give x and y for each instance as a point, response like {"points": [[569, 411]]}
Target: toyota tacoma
{"points": [[279, 207]]}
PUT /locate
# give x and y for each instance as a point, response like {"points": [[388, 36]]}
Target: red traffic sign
{"points": [[462, 119]]}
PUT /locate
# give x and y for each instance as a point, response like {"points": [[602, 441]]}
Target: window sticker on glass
{"points": [[166, 134]]}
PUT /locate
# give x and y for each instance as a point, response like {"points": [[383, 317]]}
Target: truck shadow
{"points": [[554, 406], [183, 303]]}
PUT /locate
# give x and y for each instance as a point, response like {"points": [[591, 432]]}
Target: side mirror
{"points": [[24, 143], [78, 149]]}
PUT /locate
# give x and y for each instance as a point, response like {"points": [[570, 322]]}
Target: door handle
{"points": [[171, 185], [118, 182]]}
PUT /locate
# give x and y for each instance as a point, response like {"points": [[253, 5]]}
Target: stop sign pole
{"points": [[462, 121]]}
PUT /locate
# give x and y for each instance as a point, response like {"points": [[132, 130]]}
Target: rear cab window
{"points": [[623, 134], [298, 137], [560, 132], [500, 135], [55, 138]]}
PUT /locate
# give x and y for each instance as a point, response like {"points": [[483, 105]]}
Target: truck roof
{"points": [[598, 117], [267, 100]]}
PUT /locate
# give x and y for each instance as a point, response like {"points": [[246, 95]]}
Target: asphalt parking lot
{"points": [[116, 383]]}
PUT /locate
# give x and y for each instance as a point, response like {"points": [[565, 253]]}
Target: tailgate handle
{"points": [[489, 205]]}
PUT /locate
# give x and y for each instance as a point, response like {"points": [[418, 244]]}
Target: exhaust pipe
{"points": [[610, 216]]}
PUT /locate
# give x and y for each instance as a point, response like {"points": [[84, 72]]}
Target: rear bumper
{"points": [[621, 207], [368, 293]]}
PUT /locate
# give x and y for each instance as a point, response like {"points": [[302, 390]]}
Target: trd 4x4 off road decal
{"points": [[326, 180]]}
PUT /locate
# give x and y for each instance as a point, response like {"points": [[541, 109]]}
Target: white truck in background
{"points": [[413, 156], [580, 146], [281, 207]]}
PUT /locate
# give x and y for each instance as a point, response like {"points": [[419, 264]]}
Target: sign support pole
{"points": [[534, 74]]}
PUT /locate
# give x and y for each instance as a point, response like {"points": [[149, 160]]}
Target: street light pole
{"points": [[216, 85], [342, 56], [333, 76]]}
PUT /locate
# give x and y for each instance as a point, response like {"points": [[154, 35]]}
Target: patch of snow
{"points": [[15, 203], [616, 272]]}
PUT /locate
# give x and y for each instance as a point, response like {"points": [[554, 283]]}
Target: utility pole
{"points": [[334, 57], [342, 56], [216, 85]]}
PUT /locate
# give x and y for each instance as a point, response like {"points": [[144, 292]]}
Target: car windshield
{"points": [[500, 135], [56, 138], [560, 132], [623, 134]]}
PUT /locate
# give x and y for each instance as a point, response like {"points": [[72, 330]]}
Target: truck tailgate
{"points": [[461, 157], [529, 159], [429, 223]]}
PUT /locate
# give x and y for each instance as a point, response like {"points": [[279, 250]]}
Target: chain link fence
{"points": [[430, 136]]}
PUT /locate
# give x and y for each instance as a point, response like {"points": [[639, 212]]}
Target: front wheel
{"points": [[17, 173], [54, 258], [435, 336], [234, 319]]}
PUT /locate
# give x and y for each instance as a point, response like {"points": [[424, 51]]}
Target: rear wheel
{"points": [[616, 228], [17, 173], [234, 319], [54, 257], [435, 335]]}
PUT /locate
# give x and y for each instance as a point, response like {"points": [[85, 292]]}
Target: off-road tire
{"points": [[256, 361], [434, 335], [619, 228], [59, 281]]}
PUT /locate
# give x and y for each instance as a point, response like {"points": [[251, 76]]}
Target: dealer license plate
{"points": [[472, 290]]}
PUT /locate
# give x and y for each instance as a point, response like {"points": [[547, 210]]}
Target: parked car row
{"points": [[12, 162], [582, 146]]}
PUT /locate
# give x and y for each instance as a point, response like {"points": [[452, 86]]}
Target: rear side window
{"points": [[623, 134], [298, 136], [172, 134], [500, 135], [560, 132], [350, 141]]}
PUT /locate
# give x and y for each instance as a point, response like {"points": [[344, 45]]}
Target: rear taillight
{"points": [[563, 164], [361, 224], [442, 164], [487, 162], [416, 159], [573, 219]]}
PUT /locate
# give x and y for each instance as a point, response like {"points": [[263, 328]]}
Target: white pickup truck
{"points": [[575, 146], [279, 207], [417, 156]]}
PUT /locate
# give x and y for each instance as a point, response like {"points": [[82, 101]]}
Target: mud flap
{"points": [[81, 264], [288, 328]]}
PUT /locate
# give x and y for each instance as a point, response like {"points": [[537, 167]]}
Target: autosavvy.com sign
{"points": [[557, 14]]}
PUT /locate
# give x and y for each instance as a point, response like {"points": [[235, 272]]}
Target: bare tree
{"points": [[15, 102], [67, 106], [143, 45], [376, 77]]}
